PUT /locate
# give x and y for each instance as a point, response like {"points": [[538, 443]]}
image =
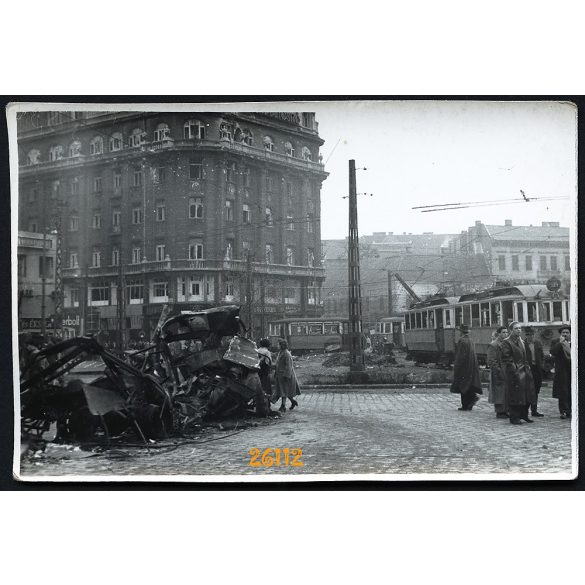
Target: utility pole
{"points": [[58, 322], [390, 300], [356, 363]]}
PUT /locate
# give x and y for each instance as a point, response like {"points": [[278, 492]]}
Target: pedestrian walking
{"points": [[519, 384], [535, 358], [497, 388], [466, 371], [285, 379], [265, 356], [561, 351]]}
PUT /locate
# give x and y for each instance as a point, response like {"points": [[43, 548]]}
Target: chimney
{"points": [[508, 222], [477, 222]]}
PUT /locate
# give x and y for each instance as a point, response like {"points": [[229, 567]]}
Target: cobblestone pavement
{"points": [[371, 432]]}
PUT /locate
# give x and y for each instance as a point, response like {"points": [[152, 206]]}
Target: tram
{"points": [[391, 328], [308, 334], [431, 325]]}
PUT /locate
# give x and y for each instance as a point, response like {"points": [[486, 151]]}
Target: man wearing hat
{"points": [[561, 351], [466, 371], [497, 389], [535, 358], [519, 383]]}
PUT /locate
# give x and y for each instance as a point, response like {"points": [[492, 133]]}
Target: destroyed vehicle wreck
{"points": [[198, 368]]}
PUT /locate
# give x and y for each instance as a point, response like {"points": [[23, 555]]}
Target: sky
{"points": [[424, 153]]}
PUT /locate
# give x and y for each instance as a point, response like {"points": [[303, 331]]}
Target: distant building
{"points": [[166, 208], [520, 254], [31, 268]]}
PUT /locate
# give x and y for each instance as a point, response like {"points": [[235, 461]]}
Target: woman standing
{"points": [[286, 385]]}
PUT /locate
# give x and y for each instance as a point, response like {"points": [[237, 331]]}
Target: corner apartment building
{"points": [[520, 254], [188, 209]]}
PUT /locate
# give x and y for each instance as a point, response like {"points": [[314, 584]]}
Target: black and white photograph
{"points": [[294, 290]]}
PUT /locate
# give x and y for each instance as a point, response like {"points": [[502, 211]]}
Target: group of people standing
{"points": [[286, 385], [516, 371]]}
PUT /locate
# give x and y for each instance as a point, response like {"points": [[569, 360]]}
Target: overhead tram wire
{"points": [[452, 205]]}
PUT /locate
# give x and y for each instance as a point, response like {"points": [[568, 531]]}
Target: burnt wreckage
{"points": [[199, 367]]}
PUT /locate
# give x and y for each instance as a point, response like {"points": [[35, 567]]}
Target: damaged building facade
{"points": [[193, 210]]}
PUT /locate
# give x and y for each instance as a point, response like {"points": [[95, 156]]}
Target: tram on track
{"points": [[430, 326], [310, 334]]}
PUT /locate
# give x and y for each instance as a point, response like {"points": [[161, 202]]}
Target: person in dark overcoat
{"points": [[535, 357], [497, 389], [561, 351], [466, 371], [285, 379], [519, 383]]}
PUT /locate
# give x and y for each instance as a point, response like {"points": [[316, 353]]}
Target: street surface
{"points": [[353, 432]]}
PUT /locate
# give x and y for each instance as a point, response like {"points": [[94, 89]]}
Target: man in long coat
{"points": [[561, 351], [466, 371], [535, 357], [497, 389], [285, 379], [519, 383]]}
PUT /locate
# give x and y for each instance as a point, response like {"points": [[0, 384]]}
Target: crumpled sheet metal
{"points": [[243, 352]]}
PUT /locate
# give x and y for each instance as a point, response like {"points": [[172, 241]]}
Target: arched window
{"points": [[75, 148], [56, 152], [116, 141], [289, 149], [137, 137], [194, 129], [33, 157], [268, 143], [306, 153], [96, 146], [247, 136], [162, 132]]}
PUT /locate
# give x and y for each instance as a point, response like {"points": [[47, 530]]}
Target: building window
{"points": [[160, 252], [229, 210], [231, 171], [116, 216], [75, 149], [268, 217], [137, 215], [290, 256], [116, 141], [196, 288], [21, 265], [159, 175], [73, 223], [137, 137], [194, 129], [46, 267], [268, 143], [55, 190], [290, 296], [529, 263], [515, 262], [160, 212], [135, 291], [502, 262], [137, 179], [246, 178], [33, 195], [309, 223], [290, 223], [246, 247], [73, 260], [229, 250], [195, 208], [100, 294], [115, 257], [195, 250], [162, 132], [117, 180], [160, 289], [289, 149], [306, 153], [553, 263], [96, 145], [33, 157], [567, 263], [269, 182], [74, 186], [96, 222], [245, 213], [97, 184], [56, 152], [543, 262], [75, 297], [310, 257], [226, 131], [96, 258], [136, 255], [269, 255], [195, 167], [33, 226]]}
